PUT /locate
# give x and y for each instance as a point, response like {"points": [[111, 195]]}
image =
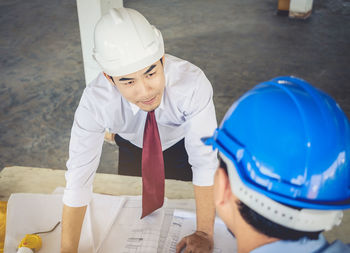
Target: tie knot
{"points": [[151, 115]]}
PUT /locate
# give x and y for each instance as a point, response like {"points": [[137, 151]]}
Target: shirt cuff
{"points": [[203, 177], [77, 197]]}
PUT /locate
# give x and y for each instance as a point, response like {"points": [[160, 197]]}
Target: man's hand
{"points": [[197, 242], [202, 239]]}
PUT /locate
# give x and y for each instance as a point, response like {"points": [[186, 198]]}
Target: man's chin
{"points": [[148, 108]]}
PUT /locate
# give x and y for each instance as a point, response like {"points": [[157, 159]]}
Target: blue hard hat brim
{"points": [[300, 203], [208, 141]]}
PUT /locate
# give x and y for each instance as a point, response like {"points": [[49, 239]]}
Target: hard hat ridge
{"points": [[116, 16]]}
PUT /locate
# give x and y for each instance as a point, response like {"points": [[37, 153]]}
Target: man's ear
{"points": [[109, 78], [162, 60], [223, 192]]}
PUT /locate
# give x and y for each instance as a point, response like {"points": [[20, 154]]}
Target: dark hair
{"points": [[267, 227]]}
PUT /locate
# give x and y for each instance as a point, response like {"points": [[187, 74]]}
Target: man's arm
{"points": [[202, 239], [201, 119], [72, 220], [205, 209]]}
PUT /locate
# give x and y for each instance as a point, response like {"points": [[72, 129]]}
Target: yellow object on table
{"points": [[31, 241], [3, 206]]}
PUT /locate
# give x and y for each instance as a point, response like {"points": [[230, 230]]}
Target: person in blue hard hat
{"points": [[284, 174]]}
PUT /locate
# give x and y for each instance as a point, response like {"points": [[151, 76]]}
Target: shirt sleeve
{"points": [[201, 122], [85, 149]]}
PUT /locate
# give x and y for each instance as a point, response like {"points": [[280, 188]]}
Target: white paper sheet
{"points": [[184, 223], [30, 213], [131, 234], [111, 224], [99, 219]]}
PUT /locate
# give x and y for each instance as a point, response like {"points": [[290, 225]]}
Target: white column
{"points": [[89, 12], [300, 8]]}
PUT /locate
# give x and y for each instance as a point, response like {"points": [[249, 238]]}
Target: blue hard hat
{"points": [[290, 142]]}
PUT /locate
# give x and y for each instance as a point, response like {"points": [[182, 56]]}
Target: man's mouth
{"points": [[149, 101]]}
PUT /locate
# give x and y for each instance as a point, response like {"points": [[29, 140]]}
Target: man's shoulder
{"points": [[100, 89], [337, 247], [175, 65], [99, 84], [99, 94], [182, 76]]}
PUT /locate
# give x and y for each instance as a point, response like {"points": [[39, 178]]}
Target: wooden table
{"points": [[38, 180]]}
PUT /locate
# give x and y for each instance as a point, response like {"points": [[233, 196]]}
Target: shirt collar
{"points": [[161, 105], [134, 108]]}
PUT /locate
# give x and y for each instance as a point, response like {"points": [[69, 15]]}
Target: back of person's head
{"points": [[286, 149]]}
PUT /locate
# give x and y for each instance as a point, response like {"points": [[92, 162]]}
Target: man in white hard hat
{"points": [[284, 174], [159, 107]]}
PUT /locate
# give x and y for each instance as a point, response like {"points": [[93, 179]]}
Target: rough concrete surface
{"points": [[237, 43]]}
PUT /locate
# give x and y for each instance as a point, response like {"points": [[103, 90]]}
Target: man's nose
{"points": [[144, 88]]}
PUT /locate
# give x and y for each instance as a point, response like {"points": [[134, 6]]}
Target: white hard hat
{"points": [[125, 42]]}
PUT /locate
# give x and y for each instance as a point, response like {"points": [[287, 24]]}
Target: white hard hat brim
{"points": [[109, 67]]}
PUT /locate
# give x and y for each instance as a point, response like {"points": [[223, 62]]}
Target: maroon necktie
{"points": [[152, 168]]}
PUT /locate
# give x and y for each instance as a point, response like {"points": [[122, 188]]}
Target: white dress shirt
{"points": [[186, 111]]}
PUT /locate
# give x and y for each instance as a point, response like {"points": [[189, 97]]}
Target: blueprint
{"points": [[184, 223]]}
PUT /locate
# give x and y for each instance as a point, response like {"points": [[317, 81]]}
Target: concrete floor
{"points": [[237, 43]]}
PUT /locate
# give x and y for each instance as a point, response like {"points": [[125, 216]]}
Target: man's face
{"points": [[225, 201], [218, 192], [143, 88]]}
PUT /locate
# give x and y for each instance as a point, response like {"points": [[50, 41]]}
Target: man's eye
{"points": [[129, 83], [151, 74]]}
